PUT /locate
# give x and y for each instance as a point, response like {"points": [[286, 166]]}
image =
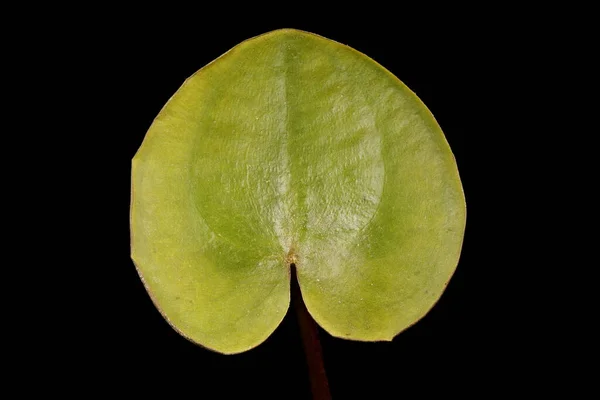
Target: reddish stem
{"points": [[310, 341]]}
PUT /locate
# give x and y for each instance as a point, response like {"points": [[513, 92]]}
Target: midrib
{"points": [[285, 210]]}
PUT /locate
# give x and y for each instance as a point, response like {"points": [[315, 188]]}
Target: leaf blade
{"points": [[295, 148]]}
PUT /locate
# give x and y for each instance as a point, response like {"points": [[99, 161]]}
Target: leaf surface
{"points": [[292, 148]]}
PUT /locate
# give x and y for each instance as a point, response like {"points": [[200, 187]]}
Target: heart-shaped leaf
{"points": [[292, 148]]}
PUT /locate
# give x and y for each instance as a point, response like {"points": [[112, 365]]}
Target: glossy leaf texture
{"points": [[292, 148]]}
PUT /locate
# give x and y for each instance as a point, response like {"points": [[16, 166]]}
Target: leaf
{"points": [[292, 148]]}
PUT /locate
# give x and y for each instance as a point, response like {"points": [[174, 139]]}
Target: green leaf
{"points": [[292, 148]]}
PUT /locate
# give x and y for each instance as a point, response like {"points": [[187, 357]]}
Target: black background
{"points": [[128, 344]]}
